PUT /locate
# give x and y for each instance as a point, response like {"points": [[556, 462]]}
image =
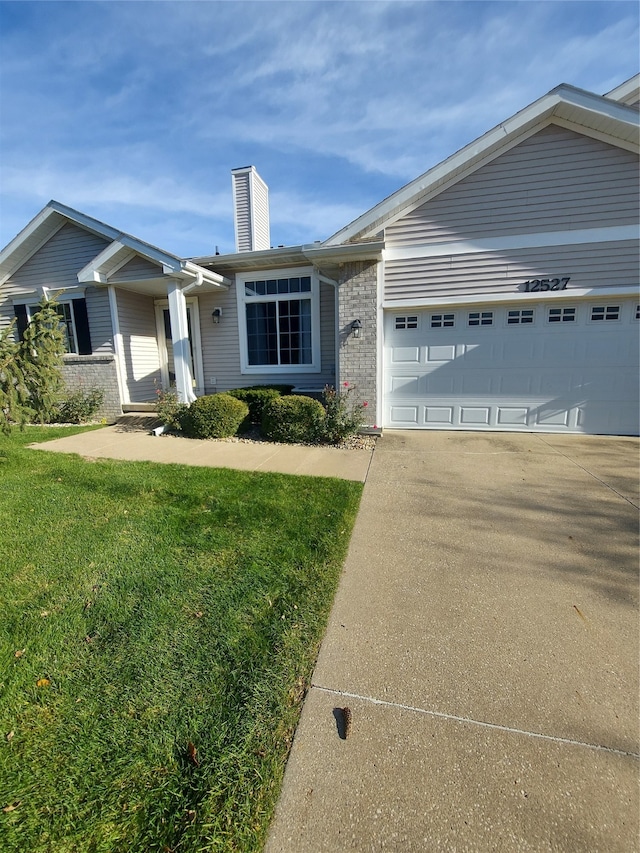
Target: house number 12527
{"points": [[537, 284]]}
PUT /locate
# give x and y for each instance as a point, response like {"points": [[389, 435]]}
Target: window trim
{"points": [[31, 303], [531, 322], [243, 300], [605, 307], [411, 322], [447, 319], [561, 318], [480, 324]]}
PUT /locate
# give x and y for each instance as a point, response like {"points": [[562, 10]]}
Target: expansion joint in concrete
{"points": [[468, 721]]}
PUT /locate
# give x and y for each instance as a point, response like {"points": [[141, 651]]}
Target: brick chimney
{"points": [[250, 210]]}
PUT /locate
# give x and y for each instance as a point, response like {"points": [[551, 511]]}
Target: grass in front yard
{"points": [[158, 629]]}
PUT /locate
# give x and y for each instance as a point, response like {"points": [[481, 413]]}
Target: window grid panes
{"points": [[440, 321], [278, 286], [605, 312], [520, 316], [279, 328], [410, 322], [480, 318], [562, 315]]}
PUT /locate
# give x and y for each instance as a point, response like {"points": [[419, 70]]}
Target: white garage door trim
{"points": [[567, 366]]}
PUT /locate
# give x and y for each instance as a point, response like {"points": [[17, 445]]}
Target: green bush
{"points": [[293, 419], [344, 417], [80, 406], [213, 416], [257, 397], [169, 409]]}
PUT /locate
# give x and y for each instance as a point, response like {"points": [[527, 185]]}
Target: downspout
{"points": [[197, 283], [336, 320]]}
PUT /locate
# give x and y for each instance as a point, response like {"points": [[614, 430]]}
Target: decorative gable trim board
{"points": [[612, 122]]}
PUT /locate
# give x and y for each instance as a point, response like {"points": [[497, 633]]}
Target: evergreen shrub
{"points": [[257, 397], [213, 416], [293, 419]]}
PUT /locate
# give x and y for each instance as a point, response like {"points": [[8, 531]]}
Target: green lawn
{"points": [[158, 628]]}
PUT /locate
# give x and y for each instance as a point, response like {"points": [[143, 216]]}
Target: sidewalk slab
{"points": [[485, 631], [138, 445], [409, 781]]}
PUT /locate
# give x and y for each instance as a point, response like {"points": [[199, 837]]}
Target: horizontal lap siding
{"points": [[137, 321], [56, 265], [136, 269], [555, 180], [221, 349], [612, 264], [99, 314]]}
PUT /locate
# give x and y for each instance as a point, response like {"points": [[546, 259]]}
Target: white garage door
{"points": [[550, 367]]}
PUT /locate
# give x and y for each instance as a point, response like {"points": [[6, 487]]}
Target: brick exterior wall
{"points": [[86, 372], [357, 299]]}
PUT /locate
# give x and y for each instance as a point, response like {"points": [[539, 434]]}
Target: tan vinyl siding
{"points": [[260, 213], [136, 269], [99, 315], [137, 320], [221, 348], [555, 180], [612, 264], [56, 265], [242, 212]]}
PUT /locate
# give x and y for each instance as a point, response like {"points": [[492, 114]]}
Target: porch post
{"points": [[180, 338]]}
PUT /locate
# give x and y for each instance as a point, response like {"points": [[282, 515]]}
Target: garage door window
{"points": [[480, 318], [605, 312], [562, 315], [637, 312], [410, 322], [441, 321], [520, 316]]}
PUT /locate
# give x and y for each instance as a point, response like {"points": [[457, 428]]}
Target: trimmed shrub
{"points": [[213, 416], [257, 397], [80, 406], [293, 419]]}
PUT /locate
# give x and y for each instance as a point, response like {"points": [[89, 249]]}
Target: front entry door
{"points": [[165, 345]]}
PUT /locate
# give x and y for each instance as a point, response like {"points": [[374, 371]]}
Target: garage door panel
{"points": [[475, 415], [405, 355], [438, 416], [446, 352], [407, 385], [576, 376], [436, 384]]}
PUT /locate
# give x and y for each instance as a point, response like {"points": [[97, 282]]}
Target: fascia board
{"points": [[486, 147], [40, 230], [115, 255], [624, 90]]}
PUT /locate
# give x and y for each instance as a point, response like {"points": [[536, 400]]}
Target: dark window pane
{"points": [[272, 286], [305, 284], [262, 333]]}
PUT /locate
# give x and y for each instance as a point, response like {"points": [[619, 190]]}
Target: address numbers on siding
{"points": [[542, 284]]}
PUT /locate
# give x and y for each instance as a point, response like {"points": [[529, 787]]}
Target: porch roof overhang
{"points": [[327, 259], [163, 267]]}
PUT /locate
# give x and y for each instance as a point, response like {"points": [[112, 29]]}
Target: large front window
{"points": [[280, 313]]}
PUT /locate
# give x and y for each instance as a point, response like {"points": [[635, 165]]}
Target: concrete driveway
{"points": [[485, 638]]}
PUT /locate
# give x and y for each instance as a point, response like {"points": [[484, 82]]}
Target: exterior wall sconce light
{"points": [[216, 314], [356, 326]]}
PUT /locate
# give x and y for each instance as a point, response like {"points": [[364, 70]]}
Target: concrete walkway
{"points": [[485, 638], [135, 443]]}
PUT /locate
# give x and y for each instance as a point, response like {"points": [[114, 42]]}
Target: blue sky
{"points": [[135, 112]]}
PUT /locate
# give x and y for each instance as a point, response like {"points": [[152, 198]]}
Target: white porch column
{"points": [[180, 337]]}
